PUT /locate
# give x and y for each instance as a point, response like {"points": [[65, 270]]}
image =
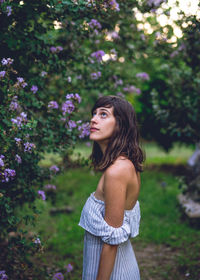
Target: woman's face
{"points": [[102, 125]]}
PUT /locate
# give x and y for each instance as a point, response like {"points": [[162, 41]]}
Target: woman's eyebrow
{"points": [[104, 109]]}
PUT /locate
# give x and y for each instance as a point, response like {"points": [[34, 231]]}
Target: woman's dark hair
{"points": [[125, 139]]}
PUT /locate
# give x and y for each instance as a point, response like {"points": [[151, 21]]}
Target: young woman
{"points": [[111, 214]]}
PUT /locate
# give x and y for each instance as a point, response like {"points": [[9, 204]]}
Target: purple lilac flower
{"points": [[21, 82], [69, 96], [68, 107], [14, 104], [53, 49], [155, 2], [95, 75], [143, 76], [43, 73], [120, 94], [84, 130], [58, 276], [8, 10], [54, 168], [18, 159], [20, 119], [34, 89], [3, 275], [28, 147], [113, 35], [50, 187], [88, 144], [1, 162], [42, 194], [114, 5], [132, 89], [7, 61], [94, 24], [37, 240], [77, 97], [8, 174], [59, 48], [69, 79], [53, 105], [2, 74], [98, 55], [71, 124], [18, 140], [69, 267], [56, 49], [1, 1]]}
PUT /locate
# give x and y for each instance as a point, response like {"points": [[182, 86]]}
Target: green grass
{"points": [[179, 154]]}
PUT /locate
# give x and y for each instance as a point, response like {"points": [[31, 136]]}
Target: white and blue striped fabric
{"points": [[97, 231]]}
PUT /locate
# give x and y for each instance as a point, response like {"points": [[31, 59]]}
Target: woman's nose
{"points": [[94, 119]]}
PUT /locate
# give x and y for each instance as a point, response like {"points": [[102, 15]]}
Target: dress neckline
{"points": [[102, 202]]}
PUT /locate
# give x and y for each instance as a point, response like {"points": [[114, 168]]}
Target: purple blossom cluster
{"points": [[34, 89], [58, 276], [68, 107], [21, 119], [9, 10], [71, 124], [2, 74], [95, 26], [155, 2], [95, 75], [50, 187], [1, 160], [14, 104], [43, 73], [75, 96], [18, 141], [3, 275], [56, 49], [69, 267], [113, 35], [7, 61], [114, 5], [42, 194], [54, 168], [98, 55], [84, 130], [53, 105], [132, 89], [37, 241], [20, 83], [28, 147], [8, 175], [143, 76], [18, 159]]}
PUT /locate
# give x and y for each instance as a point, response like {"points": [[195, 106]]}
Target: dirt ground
{"points": [[159, 262]]}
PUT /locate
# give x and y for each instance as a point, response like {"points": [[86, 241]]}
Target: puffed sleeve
{"points": [[92, 220]]}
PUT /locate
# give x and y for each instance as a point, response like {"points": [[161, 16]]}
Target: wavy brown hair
{"points": [[125, 139]]}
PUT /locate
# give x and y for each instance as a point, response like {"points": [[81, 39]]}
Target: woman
{"points": [[111, 214]]}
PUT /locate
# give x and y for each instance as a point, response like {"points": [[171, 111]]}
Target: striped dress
{"points": [[97, 231]]}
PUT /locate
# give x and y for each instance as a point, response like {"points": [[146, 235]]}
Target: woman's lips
{"points": [[93, 129]]}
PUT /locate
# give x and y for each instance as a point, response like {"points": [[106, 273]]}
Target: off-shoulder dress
{"points": [[97, 232]]}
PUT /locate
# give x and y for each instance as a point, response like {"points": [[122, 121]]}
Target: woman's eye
{"points": [[103, 114]]}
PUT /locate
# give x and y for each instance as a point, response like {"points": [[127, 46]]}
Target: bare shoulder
{"points": [[121, 168]]}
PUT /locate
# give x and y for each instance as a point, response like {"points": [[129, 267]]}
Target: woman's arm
{"points": [[107, 261], [115, 184]]}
